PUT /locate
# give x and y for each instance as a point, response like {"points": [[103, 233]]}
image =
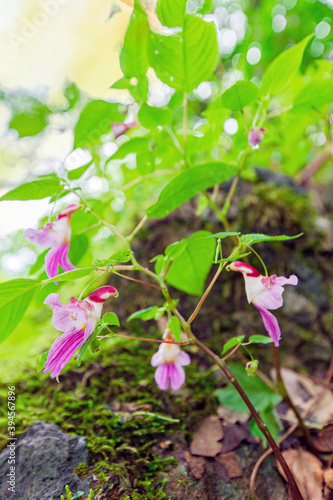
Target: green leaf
{"points": [[260, 395], [232, 343], [94, 121], [251, 239], [283, 69], [151, 117], [241, 94], [29, 115], [147, 314], [76, 274], [179, 60], [72, 95], [175, 328], [133, 57], [135, 145], [317, 93], [188, 184], [109, 319], [123, 255], [223, 235], [272, 421], [15, 297], [238, 255], [87, 343], [171, 14], [260, 339], [35, 190], [191, 266], [78, 172]]}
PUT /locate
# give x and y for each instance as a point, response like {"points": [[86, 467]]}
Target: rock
{"points": [[45, 459]]}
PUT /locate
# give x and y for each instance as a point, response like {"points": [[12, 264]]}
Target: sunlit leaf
{"points": [[35, 190], [241, 94]]}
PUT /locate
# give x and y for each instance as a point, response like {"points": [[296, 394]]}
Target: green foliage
{"points": [[283, 69], [175, 328], [179, 60], [29, 116], [35, 190], [192, 261], [15, 297], [241, 94], [171, 14], [152, 312], [251, 239], [123, 256], [187, 185], [133, 57], [151, 117], [260, 339], [271, 419], [260, 395], [316, 93], [76, 274], [232, 343], [94, 121], [78, 172]]}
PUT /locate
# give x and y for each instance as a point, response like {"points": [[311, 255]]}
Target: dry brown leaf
{"points": [[291, 379], [234, 434], [232, 417], [205, 439], [197, 465], [230, 462], [324, 441], [307, 471], [328, 478]]}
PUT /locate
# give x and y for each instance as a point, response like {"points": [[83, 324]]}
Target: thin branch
{"points": [[137, 229]]}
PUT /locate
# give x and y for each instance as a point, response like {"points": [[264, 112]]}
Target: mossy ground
{"points": [[112, 398]]}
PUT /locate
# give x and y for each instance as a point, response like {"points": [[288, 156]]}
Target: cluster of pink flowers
{"points": [[78, 319]]}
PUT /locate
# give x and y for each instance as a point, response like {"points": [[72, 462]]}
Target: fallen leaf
{"points": [[307, 471], [291, 379], [197, 465], [232, 417], [230, 462], [165, 444], [205, 439], [328, 478], [324, 440], [234, 434]]}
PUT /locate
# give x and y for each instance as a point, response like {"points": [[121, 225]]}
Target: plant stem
{"points": [[231, 193], [261, 425], [185, 126], [137, 281], [145, 339], [284, 393], [203, 298], [137, 229]]}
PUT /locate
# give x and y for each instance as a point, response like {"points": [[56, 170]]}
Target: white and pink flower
{"points": [[255, 137], [169, 360], [56, 236], [265, 292], [119, 128], [77, 320]]}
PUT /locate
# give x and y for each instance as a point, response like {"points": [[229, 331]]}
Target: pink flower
{"points": [[170, 360], [56, 236], [119, 128], [256, 135], [265, 292], [77, 320]]}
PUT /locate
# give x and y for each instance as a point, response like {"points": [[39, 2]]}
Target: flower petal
{"points": [[64, 261], [281, 280], [52, 259], [157, 359], [183, 358], [53, 300], [67, 317], [45, 238], [269, 298], [271, 324], [162, 376], [177, 376], [62, 350]]}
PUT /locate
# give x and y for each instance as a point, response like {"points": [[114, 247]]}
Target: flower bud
{"points": [[252, 367]]}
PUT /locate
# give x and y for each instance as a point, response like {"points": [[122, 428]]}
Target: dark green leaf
{"points": [[94, 121], [232, 343], [15, 297], [272, 421], [260, 395], [35, 190], [188, 184], [283, 69], [191, 266], [179, 60], [241, 94]]}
